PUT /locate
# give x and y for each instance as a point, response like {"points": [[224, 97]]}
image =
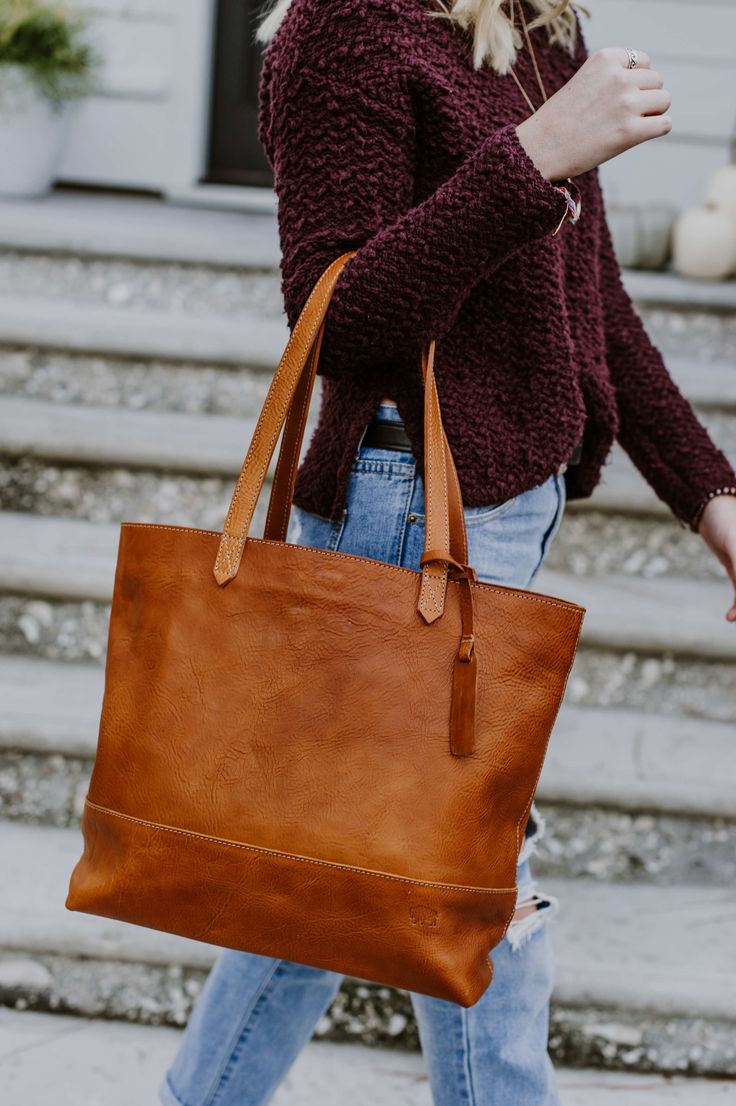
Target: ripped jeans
{"points": [[255, 1013]]}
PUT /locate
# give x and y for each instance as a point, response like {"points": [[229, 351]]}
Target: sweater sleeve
{"points": [[657, 426], [342, 147]]}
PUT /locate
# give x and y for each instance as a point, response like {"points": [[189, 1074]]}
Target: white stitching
{"points": [[295, 454], [295, 856], [562, 605], [432, 573]]}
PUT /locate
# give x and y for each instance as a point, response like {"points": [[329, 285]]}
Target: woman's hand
{"points": [[718, 530], [604, 109]]}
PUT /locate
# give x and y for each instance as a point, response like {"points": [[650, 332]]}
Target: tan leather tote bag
{"points": [[314, 756]]}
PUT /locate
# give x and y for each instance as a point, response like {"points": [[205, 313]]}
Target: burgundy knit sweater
{"points": [[384, 138]]}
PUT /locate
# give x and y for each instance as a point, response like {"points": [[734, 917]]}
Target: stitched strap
{"points": [[282, 490], [286, 406], [445, 549], [273, 414], [445, 539]]}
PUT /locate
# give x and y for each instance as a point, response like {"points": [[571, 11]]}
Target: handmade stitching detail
{"points": [[452, 474], [295, 454], [520, 593], [270, 398], [433, 599], [295, 856], [438, 419], [225, 552]]}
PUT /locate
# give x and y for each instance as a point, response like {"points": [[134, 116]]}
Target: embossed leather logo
{"points": [[423, 916]]}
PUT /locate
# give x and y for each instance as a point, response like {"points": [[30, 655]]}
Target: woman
{"points": [[454, 150]]}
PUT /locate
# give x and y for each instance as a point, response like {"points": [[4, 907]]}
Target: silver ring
{"points": [[633, 59]]}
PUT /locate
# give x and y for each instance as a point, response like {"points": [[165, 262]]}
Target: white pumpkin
{"points": [[705, 244], [722, 190], [642, 234]]}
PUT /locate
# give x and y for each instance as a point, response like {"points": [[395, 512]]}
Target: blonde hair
{"points": [[496, 40]]}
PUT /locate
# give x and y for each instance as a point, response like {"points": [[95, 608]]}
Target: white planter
{"points": [[32, 133]]}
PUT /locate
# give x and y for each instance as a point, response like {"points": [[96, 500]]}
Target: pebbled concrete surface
{"points": [[366, 1014], [70, 1061]]}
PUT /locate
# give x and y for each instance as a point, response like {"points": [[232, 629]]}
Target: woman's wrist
{"points": [[540, 149], [727, 490]]}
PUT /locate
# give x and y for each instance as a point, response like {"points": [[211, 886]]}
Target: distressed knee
{"points": [[533, 909]]}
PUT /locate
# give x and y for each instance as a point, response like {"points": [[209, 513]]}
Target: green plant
{"points": [[48, 41]]}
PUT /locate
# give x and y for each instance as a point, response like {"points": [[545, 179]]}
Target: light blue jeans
{"points": [[255, 1013]]}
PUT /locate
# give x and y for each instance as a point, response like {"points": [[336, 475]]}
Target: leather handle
{"points": [[445, 538], [284, 480], [445, 546], [270, 421], [286, 405]]}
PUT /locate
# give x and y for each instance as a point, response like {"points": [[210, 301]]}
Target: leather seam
{"points": [[295, 856], [519, 593]]}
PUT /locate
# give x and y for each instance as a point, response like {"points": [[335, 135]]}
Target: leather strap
{"points": [[286, 408], [445, 536], [271, 420], [287, 401], [282, 490], [283, 485]]}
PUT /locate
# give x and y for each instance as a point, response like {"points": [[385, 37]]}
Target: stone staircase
{"points": [[135, 347]]}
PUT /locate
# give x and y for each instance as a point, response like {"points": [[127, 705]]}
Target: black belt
{"points": [[391, 434], [387, 434]]}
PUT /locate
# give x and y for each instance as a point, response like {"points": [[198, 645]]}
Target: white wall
{"points": [[147, 126], [693, 43]]}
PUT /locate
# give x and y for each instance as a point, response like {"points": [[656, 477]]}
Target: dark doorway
{"points": [[235, 154]]}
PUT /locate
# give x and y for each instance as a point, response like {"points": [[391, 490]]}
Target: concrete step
{"points": [[666, 614], [626, 795], [626, 760], [229, 333], [590, 542], [667, 289], [48, 707], [152, 230], [129, 284], [126, 384], [176, 467], [107, 463], [634, 989], [148, 230], [71, 559], [48, 323], [707, 384], [205, 443], [39, 1051]]}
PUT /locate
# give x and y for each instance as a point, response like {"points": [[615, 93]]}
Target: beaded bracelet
{"points": [[728, 490]]}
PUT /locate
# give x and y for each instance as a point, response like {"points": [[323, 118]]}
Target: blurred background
{"points": [[140, 320]]}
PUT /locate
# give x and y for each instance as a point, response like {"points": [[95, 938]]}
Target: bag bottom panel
{"points": [[421, 936]]}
